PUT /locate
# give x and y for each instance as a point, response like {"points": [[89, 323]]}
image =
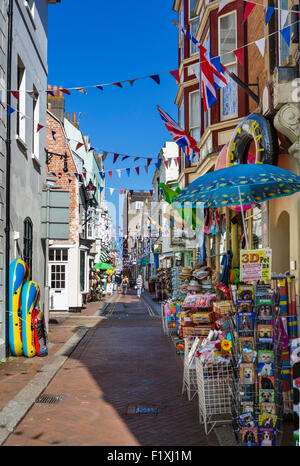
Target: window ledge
{"points": [[36, 159], [21, 143], [29, 13]]}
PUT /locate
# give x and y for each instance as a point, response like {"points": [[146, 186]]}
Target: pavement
{"points": [[111, 378]]}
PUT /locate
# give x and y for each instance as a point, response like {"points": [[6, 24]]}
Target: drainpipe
{"points": [[8, 162]]}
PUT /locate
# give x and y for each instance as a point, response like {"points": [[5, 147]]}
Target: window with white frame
{"points": [[194, 23], [194, 115], [228, 43], [21, 107], [90, 233], [181, 114], [283, 48]]}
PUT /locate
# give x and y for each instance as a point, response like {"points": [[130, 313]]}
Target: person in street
{"points": [[124, 284], [139, 285]]}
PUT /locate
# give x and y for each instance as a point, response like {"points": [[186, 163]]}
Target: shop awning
{"points": [[103, 256]]}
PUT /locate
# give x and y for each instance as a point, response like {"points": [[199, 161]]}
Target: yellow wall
{"points": [[281, 212]]}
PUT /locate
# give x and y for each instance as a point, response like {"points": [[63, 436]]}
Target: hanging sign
{"points": [[255, 264]]}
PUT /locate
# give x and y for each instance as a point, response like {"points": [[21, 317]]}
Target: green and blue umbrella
{"points": [[240, 184]]}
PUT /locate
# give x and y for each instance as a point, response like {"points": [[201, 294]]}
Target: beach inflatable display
{"points": [[39, 330], [29, 296], [257, 132], [27, 329], [18, 275]]}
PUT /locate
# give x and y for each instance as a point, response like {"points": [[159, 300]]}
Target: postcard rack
{"points": [[257, 404]]}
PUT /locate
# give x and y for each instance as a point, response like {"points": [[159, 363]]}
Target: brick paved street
{"points": [[123, 362]]}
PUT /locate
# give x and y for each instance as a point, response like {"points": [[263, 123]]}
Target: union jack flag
{"points": [[181, 137], [213, 77]]}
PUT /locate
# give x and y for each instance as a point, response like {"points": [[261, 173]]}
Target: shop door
{"points": [[58, 290]]}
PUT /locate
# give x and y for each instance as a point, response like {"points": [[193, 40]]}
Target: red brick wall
{"points": [[56, 165]]}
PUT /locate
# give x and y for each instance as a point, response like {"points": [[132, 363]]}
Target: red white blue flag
{"points": [[181, 137], [213, 76]]}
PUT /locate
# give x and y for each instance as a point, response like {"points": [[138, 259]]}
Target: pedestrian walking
{"points": [[124, 284], [139, 285]]}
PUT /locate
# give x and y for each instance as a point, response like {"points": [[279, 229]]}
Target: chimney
{"points": [[74, 122], [68, 116], [57, 102]]}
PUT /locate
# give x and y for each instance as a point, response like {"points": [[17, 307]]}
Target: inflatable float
{"points": [[18, 275], [29, 296]]}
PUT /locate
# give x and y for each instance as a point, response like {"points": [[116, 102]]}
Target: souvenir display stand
{"points": [[257, 407], [189, 382]]}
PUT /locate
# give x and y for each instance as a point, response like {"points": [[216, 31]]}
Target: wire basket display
{"points": [[214, 393], [189, 383]]}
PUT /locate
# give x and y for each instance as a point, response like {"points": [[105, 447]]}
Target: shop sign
{"points": [[255, 264]]}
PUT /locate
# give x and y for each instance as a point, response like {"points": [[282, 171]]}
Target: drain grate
{"points": [[50, 399], [142, 410]]}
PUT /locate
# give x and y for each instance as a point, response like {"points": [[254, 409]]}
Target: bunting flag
{"points": [[146, 168], [119, 172], [151, 192], [239, 53], [175, 74], [125, 157], [158, 164], [50, 93], [15, 94], [261, 45], [155, 78], [128, 171], [131, 192], [178, 159], [110, 173], [115, 157], [269, 12], [101, 189], [286, 34], [249, 7], [166, 164], [104, 155], [100, 88], [187, 158], [137, 170], [283, 17], [131, 81], [39, 126], [136, 158], [53, 135], [91, 149], [81, 90], [111, 191], [121, 191], [76, 176], [65, 91], [118, 84], [79, 144], [148, 162], [10, 110], [102, 174]]}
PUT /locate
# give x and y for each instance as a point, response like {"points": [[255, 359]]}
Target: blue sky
{"points": [[96, 42]]}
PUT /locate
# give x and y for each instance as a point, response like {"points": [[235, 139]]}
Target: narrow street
{"points": [[124, 362]]}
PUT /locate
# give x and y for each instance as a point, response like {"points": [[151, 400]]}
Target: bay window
{"points": [[194, 115]]}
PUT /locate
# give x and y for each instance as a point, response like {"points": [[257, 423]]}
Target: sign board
{"points": [[255, 264], [59, 214]]}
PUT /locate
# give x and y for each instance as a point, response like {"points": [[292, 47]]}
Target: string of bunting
{"points": [[250, 5]]}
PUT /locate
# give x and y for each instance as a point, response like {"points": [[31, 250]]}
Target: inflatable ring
{"points": [[260, 130]]}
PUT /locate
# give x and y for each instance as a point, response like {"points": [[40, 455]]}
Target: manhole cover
{"points": [[50, 399]]}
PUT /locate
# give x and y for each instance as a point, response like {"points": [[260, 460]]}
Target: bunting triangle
{"points": [[148, 162], [286, 34], [131, 81], [166, 164], [121, 191], [249, 7], [146, 168], [137, 170], [239, 54], [110, 173], [261, 45], [128, 171], [51, 93], [115, 157], [117, 84], [10, 110], [39, 126], [65, 91], [175, 74], [111, 191], [125, 157], [101, 189], [79, 144], [155, 78], [100, 88], [15, 94], [269, 12], [119, 172], [81, 90], [283, 17], [136, 158]]}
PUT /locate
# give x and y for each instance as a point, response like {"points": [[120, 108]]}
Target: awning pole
{"points": [[243, 218]]}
